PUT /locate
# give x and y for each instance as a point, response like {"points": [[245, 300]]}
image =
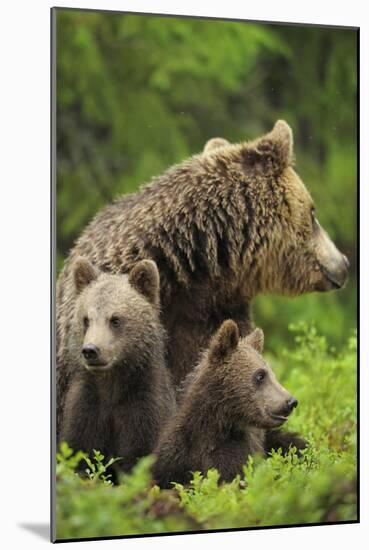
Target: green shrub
{"points": [[319, 486]]}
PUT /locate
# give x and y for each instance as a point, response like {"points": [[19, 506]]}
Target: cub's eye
{"points": [[85, 322], [115, 322], [260, 377]]}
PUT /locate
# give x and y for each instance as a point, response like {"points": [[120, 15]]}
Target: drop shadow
{"points": [[42, 530]]}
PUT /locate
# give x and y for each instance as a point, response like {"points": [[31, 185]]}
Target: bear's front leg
{"points": [[277, 439], [228, 459], [136, 429], [81, 426]]}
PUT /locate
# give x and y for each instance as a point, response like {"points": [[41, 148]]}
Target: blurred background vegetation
{"points": [[136, 94]]}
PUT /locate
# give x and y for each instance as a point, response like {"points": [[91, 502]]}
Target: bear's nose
{"points": [[346, 261], [291, 404], [90, 352]]}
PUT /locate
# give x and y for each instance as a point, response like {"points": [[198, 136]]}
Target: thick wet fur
{"points": [[121, 393], [222, 227], [229, 405]]}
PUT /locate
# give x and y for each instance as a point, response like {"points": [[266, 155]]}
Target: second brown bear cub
{"points": [[121, 393], [229, 402]]}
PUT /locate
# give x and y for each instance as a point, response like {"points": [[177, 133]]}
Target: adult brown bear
{"points": [[222, 226]]}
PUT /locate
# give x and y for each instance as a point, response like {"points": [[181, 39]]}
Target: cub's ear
{"points": [[275, 148], [256, 340], [83, 273], [145, 278], [225, 341], [215, 143]]}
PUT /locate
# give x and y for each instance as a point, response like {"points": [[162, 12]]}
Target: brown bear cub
{"points": [[229, 401], [121, 393]]}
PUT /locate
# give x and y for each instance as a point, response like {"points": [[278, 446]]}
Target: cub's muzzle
{"points": [[91, 353], [283, 413]]}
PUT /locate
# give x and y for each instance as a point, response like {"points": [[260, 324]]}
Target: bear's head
{"points": [[117, 316], [284, 248], [245, 381]]}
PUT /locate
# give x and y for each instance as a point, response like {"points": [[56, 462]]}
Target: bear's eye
{"points": [[85, 323], [313, 218], [115, 322], [260, 377]]}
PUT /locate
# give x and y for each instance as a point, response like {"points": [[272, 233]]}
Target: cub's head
{"points": [[289, 251], [116, 316], [249, 386]]}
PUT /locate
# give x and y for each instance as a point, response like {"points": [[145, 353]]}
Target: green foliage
{"points": [[319, 486], [334, 313], [96, 469], [326, 379], [284, 490], [88, 508]]}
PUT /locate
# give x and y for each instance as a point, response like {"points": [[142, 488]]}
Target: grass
{"points": [[319, 487]]}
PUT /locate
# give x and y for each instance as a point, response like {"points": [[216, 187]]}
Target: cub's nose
{"points": [[291, 404], [90, 352]]}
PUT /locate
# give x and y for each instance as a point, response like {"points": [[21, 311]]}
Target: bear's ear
{"points": [[215, 143], [84, 273], [256, 340], [145, 278], [225, 341], [276, 147]]}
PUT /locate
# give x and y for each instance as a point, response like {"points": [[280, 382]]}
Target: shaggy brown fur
{"points": [[222, 227], [121, 392], [232, 397]]}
